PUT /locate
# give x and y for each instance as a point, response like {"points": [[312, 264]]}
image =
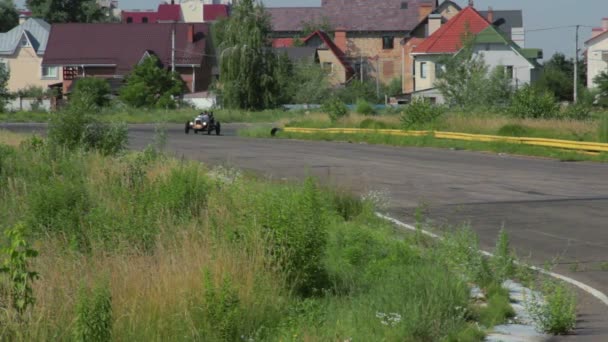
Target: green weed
{"points": [[94, 315], [556, 314]]}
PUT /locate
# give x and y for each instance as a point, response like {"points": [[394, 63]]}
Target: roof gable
{"points": [[36, 31], [492, 35], [448, 38], [333, 47]]}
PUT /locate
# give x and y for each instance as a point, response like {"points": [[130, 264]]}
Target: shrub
{"points": [[603, 129], [92, 89], [221, 308], [335, 108], [363, 107], [578, 111], [108, 139], [358, 90], [513, 130], [420, 112], [503, 262], [556, 313], [149, 85], [94, 315], [372, 124], [529, 102]]}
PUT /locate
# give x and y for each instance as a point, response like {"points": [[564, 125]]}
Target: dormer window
{"points": [[404, 5], [24, 41]]}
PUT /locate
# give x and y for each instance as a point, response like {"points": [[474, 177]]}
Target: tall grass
{"points": [[142, 247]]}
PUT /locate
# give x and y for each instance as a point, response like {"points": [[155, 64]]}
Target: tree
{"points": [[465, 80], [4, 93], [149, 85], [308, 84], [247, 62], [66, 11], [92, 89], [9, 17], [602, 83], [558, 76]]}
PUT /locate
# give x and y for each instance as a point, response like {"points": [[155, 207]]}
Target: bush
{"points": [[363, 107], [94, 315], [222, 308], [149, 85], [529, 102], [93, 90], [602, 129], [513, 130], [373, 124], [420, 112], [577, 111], [556, 314], [356, 90], [503, 262], [335, 108], [108, 139]]}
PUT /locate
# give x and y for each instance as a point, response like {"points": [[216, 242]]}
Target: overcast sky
{"points": [[538, 14]]}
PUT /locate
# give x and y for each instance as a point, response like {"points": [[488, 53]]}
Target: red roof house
{"points": [[448, 38], [112, 50], [164, 13]]}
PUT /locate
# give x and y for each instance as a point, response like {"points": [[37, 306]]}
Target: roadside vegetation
{"points": [[102, 244]]}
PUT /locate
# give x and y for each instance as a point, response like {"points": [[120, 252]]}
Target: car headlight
{"points": [[204, 124], [191, 124]]}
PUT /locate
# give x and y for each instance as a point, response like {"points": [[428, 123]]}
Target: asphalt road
{"points": [[554, 211]]}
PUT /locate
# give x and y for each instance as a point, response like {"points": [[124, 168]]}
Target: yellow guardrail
{"points": [[563, 144]]}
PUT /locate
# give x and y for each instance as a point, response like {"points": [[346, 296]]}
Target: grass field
{"points": [[142, 247]]}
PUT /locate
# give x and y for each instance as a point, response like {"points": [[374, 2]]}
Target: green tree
{"points": [[66, 11], [465, 80], [247, 62], [95, 90], [4, 93], [558, 76], [149, 85], [602, 84], [9, 17], [308, 84]]}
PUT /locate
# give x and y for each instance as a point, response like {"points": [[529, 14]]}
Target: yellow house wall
{"points": [[429, 81], [338, 72], [26, 70], [389, 63]]}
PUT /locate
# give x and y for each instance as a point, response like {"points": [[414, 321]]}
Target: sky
{"points": [[538, 14]]}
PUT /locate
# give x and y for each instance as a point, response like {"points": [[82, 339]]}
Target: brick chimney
{"points": [[490, 15], [340, 39], [424, 10], [190, 33]]}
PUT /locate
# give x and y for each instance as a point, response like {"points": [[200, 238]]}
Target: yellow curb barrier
{"points": [[555, 143]]}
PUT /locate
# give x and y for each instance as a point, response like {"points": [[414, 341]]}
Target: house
{"points": [[22, 50], [495, 46], [331, 58], [112, 50], [597, 53], [366, 32], [190, 11]]}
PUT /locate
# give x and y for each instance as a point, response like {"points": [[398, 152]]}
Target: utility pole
{"points": [[361, 68], [173, 48], [377, 76], [576, 67]]}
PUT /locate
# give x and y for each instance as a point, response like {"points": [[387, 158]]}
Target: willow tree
{"points": [[247, 63]]}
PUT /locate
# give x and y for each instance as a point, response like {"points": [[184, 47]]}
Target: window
{"points": [[439, 69], [129, 20], [4, 63], [387, 42], [144, 20], [509, 71], [328, 66], [49, 72], [24, 41], [423, 69], [404, 5]]}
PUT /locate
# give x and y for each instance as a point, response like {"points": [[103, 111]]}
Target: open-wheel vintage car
{"points": [[205, 122]]}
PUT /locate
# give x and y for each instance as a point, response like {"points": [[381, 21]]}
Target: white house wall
{"points": [[496, 55], [595, 62]]}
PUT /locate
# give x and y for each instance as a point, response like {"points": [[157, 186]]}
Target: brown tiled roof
{"points": [[352, 15], [123, 45], [293, 18]]}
